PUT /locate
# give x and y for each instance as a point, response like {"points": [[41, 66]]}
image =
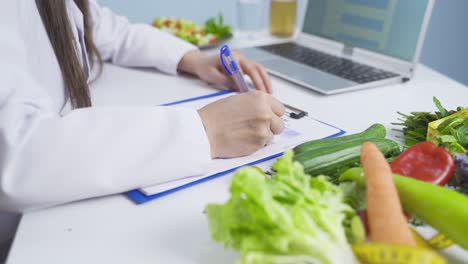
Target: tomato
{"points": [[426, 162], [213, 40], [365, 221]]}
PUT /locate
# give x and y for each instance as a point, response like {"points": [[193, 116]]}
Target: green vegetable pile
{"points": [[291, 218], [415, 124]]}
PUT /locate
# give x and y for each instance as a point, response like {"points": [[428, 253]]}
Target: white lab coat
{"points": [[49, 158]]}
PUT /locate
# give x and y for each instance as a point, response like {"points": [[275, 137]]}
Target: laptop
{"points": [[347, 45]]}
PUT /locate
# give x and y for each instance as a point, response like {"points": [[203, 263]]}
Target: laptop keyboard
{"points": [[341, 67]]}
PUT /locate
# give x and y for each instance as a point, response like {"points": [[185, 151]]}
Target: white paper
{"points": [[296, 132]]}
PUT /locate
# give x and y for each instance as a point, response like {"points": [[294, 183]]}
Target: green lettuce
{"points": [[291, 218]]}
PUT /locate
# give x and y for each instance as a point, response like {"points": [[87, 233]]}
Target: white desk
{"points": [[173, 229]]}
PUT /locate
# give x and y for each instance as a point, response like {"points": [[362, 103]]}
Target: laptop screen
{"points": [[390, 27]]}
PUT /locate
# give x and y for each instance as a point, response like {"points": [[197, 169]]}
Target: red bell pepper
{"points": [[425, 161]]}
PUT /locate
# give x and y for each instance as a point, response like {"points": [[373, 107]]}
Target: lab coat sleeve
{"points": [[135, 45], [46, 159]]}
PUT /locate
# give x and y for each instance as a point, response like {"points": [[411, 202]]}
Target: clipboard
{"points": [[143, 195]]}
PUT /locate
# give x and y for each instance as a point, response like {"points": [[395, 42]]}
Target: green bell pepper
{"points": [[443, 209]]}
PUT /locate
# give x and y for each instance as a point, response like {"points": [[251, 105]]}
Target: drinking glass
{"points": [[250, 16], [282, 17]]}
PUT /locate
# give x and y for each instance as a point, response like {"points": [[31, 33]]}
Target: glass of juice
{"points": [[282, 17]]}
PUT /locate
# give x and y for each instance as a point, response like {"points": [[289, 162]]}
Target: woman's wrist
{"points": [[190, 62]]}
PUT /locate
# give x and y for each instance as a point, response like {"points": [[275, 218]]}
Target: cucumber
{"points": [[332, 160], [374, 131]]}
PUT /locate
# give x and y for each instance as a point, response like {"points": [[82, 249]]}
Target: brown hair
{"points": [[55, 19]]}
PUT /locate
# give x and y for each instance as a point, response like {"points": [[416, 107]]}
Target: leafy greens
{"points": [[415, 124], [217, 27], [290, 218], [454, 135]]}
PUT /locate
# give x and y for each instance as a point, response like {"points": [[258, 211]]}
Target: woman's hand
{"points": [[209, 69], [241, 124]]}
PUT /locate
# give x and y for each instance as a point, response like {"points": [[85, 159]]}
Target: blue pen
{"points": [[232, 68]]}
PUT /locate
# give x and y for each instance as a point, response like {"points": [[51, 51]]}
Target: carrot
{"points": [[386, 220]]}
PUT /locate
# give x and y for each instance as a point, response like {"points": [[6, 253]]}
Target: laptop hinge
{"points": [[347, 52]]}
